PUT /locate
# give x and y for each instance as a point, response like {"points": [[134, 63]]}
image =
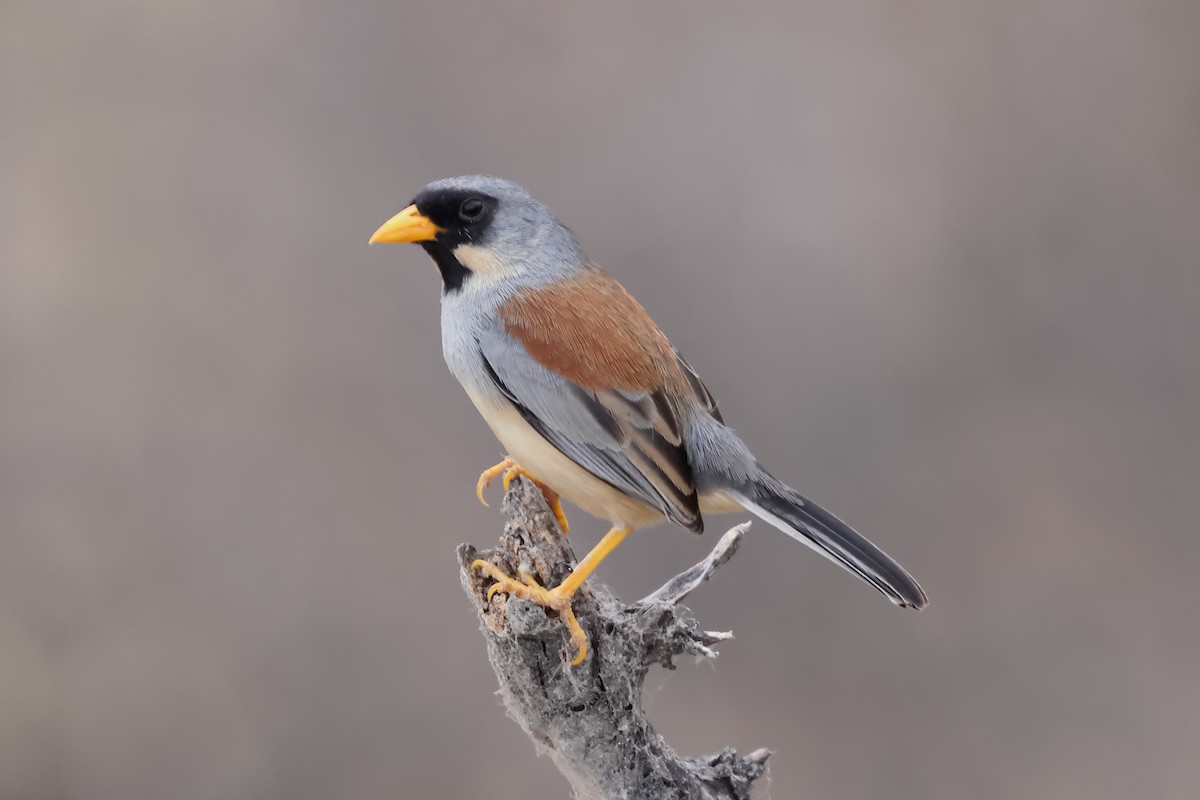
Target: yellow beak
{"points": [[409, 225]]}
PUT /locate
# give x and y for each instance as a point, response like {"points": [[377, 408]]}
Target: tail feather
{"points": [[809, 524]]}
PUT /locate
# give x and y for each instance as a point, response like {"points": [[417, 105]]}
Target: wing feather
{"points": [[610, 434], [596, 377], [699, 390]]}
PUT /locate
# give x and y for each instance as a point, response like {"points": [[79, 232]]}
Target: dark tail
{"points": [[808, 523]]}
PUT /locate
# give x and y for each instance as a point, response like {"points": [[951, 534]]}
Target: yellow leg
{"points": [[558, 598], [512, 469]]}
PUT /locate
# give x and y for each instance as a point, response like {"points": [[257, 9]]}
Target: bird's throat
{"points": [[454, 274]]}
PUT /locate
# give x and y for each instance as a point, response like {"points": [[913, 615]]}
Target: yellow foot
{"points": [[558, 599], [511, 470]]}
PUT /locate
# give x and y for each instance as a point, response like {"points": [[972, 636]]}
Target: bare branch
{"points": [[589, 719]]}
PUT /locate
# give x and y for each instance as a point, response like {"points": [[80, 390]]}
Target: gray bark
{"points": [[589, 719]]}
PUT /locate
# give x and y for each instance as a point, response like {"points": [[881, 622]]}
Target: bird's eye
{"points": [[471, 209]]}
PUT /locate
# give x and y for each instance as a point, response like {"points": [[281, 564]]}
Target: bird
{"points": [[588, 396]]}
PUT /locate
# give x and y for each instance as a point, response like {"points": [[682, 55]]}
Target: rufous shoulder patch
{"points": [[592, 331]]}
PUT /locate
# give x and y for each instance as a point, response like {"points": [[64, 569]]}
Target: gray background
{"points": [[938, 261]]}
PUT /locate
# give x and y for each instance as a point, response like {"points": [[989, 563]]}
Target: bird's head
{"points": [[479, 230]]}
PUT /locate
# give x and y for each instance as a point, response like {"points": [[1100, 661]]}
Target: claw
{"points": [[556, 506], [554, 599], [578, 637], [511, 469], [488, 475], [559, 598]]}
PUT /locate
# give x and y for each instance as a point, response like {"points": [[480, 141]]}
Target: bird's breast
{"points": [[463, 318]]}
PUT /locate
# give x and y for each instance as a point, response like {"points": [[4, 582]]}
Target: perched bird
{"points": [[588, 396]]}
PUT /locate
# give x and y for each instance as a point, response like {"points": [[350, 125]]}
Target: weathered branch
{"points": [[589, 718]]}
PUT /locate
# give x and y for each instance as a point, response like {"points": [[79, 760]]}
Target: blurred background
{"points": [[939, 261]]}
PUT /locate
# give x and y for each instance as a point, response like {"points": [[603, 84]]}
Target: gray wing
{"points": [[707, 401], [631, 440]]}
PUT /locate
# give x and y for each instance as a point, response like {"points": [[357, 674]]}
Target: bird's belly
{"points": [[719, 502], [529, 449]]}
